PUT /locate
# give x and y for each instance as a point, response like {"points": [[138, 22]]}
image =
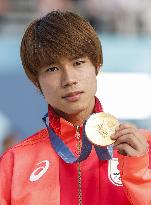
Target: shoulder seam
{"points": [[33, 139]]}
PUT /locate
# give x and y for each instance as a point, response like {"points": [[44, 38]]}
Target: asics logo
{"points": [[40, 171]]}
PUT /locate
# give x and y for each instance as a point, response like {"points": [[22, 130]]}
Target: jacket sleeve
{"points": [[136, 177], [6, 171]]}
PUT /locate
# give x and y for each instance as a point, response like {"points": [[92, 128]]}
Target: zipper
{"points": [[78, 144]]}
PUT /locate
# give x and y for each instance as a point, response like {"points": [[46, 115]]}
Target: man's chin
{"points": [[71, 110], [74, 111]]}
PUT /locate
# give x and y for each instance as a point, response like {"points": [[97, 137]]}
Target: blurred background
{"points": [[124, 82]]}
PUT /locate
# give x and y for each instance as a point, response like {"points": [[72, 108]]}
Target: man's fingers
{"points": [[129, 139], [126, 125], [122, 132], [126, 149], [125, 130]]}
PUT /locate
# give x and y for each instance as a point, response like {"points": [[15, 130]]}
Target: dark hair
{"points": [[58, 34]]}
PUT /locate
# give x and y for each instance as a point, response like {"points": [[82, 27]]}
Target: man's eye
{"points": [[52, 69], [78, 63]]}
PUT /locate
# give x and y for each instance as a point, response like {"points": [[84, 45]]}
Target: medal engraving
{"points": [[100, 127]]}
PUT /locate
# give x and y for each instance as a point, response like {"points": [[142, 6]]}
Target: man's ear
{"points": [[98, 68], [37, 84]]}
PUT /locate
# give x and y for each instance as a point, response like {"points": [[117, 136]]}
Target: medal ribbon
{"points": [[64, 152]]}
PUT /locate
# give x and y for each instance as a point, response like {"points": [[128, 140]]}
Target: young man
{"points": [[61, 55]]}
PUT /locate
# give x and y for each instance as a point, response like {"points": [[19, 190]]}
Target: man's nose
{"points": [[69, 78]]}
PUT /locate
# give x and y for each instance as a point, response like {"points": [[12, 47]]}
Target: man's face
{"points": [[69, 86]]}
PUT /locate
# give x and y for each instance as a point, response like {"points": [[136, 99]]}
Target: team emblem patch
{"points": [[113, 172]]}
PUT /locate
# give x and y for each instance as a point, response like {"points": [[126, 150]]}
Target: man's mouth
{"points": [[72, 96]]}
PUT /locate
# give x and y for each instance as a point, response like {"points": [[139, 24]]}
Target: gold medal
{"points": [[99, 128]]}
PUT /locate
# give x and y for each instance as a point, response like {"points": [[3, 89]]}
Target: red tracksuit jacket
{"points": [[31, 173]]}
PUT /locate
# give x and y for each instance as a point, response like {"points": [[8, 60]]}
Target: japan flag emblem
{"points": [[113, 172]]}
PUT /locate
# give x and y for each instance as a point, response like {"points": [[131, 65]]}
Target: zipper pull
{"points": [[78, 143], [77, 132]]}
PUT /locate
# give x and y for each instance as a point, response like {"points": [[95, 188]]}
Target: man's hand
{"points": [[129, 141]]}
